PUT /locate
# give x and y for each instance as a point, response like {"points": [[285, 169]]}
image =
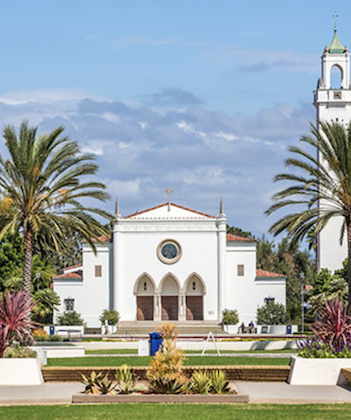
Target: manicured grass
{"points": [[112, 351], [135, 351], [190, 361], [178, 412]]}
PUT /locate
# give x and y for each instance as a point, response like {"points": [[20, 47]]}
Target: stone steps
{"points": [[235, 373], [191, 328]]}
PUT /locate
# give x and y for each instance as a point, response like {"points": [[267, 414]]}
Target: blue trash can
{"points": [[289, 329], [51, 330], [155, 342]]}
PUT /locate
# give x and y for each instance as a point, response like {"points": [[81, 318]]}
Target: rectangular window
{"points": [[98, 271], [69, 304], [241, 271]]}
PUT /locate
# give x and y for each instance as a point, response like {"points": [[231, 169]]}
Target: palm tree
{"points": [[320, 188], [41, 192]]}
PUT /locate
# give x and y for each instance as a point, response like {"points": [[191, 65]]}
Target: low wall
{"points": [[238, 373], [61, 351], [199, 345], [309, 371], [18, 372]]}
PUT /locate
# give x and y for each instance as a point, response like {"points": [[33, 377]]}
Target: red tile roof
{"points": [[265, 273], [69, 276], [236, 238], [101, 239], [72, 266], [166, 204]]}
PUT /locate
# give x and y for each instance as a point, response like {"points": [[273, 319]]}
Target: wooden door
{"points": [[145, 308], [169, 308], [194, 308]]}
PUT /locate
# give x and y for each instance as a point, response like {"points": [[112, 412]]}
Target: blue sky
{"points": [[204, 96]]}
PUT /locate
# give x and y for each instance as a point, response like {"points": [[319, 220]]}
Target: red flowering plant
{"points": [[15, 319], [333, 332]]}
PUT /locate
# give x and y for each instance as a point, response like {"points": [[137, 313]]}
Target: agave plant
{"points": [[106, 385], [219, 382], [166, 386], [333, 325], [202, 382], [124, 378], [90, 382], [15, 318]]}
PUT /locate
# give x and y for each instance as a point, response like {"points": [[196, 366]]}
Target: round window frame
{"points": [[166, 260]]}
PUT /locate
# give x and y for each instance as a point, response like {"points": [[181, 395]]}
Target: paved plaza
{"points": [[259, 392]]}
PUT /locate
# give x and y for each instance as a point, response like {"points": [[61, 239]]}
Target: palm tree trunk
{"points": [[27, 262], [349, 262]]}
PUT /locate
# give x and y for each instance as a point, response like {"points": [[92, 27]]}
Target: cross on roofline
{"points": [[335, 16], [169, 192]]}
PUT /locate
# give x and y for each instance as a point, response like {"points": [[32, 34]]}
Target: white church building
{"points": [[169, 263]]}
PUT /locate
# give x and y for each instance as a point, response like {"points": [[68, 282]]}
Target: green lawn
{"points": [[135, 351], [190, 361], [178, 412], [112, 351]]}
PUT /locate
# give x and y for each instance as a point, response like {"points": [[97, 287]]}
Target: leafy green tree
{"points": [[287, 258], [271, 314], [237, 231], [11, 256], [42, 185], [320, 187], [46, 300], [328, 287]]}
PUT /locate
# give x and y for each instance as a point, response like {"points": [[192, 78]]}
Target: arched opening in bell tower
{"points": [[336, 77]]}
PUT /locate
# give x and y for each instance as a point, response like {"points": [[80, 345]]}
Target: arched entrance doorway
{"points": [[170, 298], [144, 290], [194, 291]]}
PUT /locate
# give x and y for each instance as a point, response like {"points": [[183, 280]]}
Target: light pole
{"points": [[302, 305]]}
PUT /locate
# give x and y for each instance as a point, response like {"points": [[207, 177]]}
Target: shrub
{"points": [[333, 325], [15, 319], [230, 316], [315, 348], [70, 318], [40, 335], [165, 373], [271, 314], [55, 337], [109, 315], [16, 351], [168, 331]]}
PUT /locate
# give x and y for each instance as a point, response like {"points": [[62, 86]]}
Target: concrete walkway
{"points": [[259, 392]]}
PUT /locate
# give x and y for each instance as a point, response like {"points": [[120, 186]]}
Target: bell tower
{"points": [[332, 100]]}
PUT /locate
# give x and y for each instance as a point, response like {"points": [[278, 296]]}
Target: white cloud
{"points": [[141, 150]]}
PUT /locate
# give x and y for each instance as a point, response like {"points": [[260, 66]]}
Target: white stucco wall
{"points": [[139, 249], [247, 293], [91, 294], [133, 255]]}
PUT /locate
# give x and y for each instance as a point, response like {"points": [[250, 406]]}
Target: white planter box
{"points": [[109, 329], [20, 372], [69, 330], [230, 328], [306, 371]]}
